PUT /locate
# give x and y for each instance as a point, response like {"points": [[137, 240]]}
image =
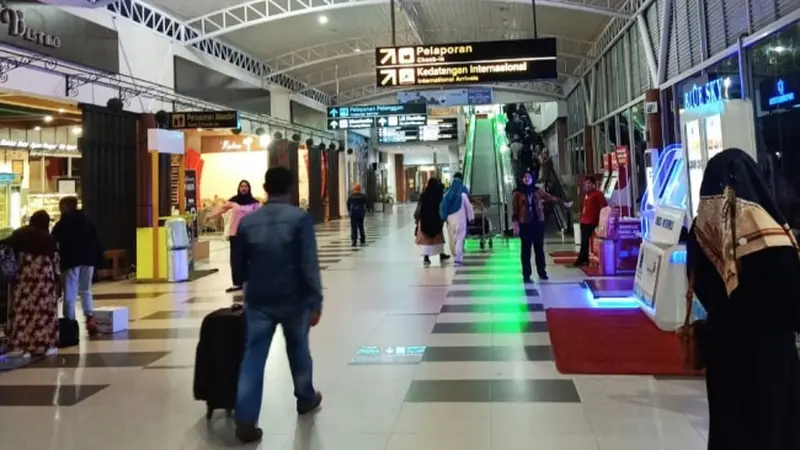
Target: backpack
{"points": [[8, 262]]}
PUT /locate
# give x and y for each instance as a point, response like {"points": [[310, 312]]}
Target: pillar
{"points": [[399, 178], [280, 103], [655, 137], [588, 150]]}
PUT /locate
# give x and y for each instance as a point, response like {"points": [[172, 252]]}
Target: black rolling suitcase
{"points": [[219, 355]]}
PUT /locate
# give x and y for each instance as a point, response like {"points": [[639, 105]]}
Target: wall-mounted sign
{"points": [[779, 93], [435, 130], [203, 119], [448, 97], [18, 27], [709, 93], [467, 62]]}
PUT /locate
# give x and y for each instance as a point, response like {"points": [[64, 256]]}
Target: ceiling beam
{"points": [[334, 76], [258, 12]]}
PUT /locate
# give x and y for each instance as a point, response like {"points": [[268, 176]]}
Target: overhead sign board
{"points": [[466, 63], [358, 123], [348, 112], [405, 120], [434, 130], [204, 119]]}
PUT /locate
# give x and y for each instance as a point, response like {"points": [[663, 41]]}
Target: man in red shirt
{"points": [[593, 202]]}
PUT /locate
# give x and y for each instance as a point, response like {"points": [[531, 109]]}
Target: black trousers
{"points": [[532, 234], [237, 274], [356, 228], [586, 237]]}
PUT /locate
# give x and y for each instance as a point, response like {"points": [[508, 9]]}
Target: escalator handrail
{"points": [[499, 140], [468, 153]]}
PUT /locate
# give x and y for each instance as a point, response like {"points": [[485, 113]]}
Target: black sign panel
{"points": [[190, 193], [204, 119], [466, 63], [435, 130], [780, 92], [358, 123], [405, 120], [51, 31]]}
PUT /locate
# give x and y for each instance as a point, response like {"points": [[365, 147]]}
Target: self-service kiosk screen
{"points": [[611, 185]]}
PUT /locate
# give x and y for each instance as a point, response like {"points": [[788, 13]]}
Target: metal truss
{"points": [[257, 12], [365, 93], [129, 88], [176, 30], [359, 47]]}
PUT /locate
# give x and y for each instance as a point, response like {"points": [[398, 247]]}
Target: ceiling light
{"points": [[61, 110], [77, 130], [356, 50], [48, 119], [323, 20], [37, 128]]}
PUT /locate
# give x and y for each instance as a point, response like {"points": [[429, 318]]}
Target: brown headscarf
{"points": [[35, 238]]}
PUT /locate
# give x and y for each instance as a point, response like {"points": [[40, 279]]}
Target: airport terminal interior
{"points": [[527, 175]]}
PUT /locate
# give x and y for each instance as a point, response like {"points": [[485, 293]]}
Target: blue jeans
{"points": [[260, 329], [78, 281]]}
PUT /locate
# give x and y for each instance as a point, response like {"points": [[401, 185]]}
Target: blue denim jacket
{"points": [[279, 256]]}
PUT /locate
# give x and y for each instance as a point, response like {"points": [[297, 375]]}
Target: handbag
{"points": [[690, 334]]}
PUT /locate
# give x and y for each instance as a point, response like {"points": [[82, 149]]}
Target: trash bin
{"points": [[177, 250]]}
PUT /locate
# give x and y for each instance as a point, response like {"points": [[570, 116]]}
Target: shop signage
{"points": [[36, 145], [219, 144], [467, 62], [706, 94], [204, 119], [778, 93], [17, 27]]}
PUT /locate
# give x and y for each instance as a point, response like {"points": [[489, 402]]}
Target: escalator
{"points": [[552, 185], [481, 168]]}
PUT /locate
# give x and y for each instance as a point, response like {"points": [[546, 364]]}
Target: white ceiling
{"points": [[337, 57]]}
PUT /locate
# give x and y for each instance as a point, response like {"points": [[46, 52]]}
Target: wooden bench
{"points": [[118, 269]]}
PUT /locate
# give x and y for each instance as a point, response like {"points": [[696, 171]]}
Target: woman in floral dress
{"points": [[34, 311]]}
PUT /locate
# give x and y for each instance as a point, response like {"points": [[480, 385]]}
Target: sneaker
{"points": [[426, 261], [233, 289], [527, 280], [543, 277], [248, 433], [444, 257], [307, 409], [91, 326]]}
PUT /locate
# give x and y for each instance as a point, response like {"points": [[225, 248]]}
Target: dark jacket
{"points": [[78, 244], [279, 256], [357, 204]]}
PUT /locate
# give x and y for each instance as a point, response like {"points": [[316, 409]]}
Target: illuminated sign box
{"points": [[466, 63], [368, 116], [780, 93]]}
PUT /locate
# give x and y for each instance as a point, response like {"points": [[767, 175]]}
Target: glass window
{"points": [[727, 70], [775, 68]]}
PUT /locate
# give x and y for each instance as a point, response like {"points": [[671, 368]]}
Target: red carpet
{"points": [[594, 271], [564, 260], [564, 254], [612, 342]]}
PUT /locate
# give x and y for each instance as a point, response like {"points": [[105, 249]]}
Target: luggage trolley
{"points": [[481, 227]]}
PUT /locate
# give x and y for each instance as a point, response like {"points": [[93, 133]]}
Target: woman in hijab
{"points": [[239, 205], [34, 309], [745, 263], [429, 234], [457, 211]]}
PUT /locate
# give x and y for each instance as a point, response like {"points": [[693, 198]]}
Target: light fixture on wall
{"points": [[77, 130], [47, 119], [61, 110], [37, 128], [322, 20]]}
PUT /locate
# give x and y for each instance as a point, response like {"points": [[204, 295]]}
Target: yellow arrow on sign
{"points": [[388, 56], [388, 77]]}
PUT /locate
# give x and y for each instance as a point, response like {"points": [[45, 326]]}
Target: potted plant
{"points": [[385, 201]]}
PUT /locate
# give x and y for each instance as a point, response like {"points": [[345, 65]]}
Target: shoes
{"points": [[248, 433], [543, 277], [444, 257], [426, 262], [527, 280], [363, 242], [233, 289], [353, 244], [307, 409], [91, 326]]}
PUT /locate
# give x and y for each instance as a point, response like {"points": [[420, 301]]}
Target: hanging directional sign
{"points": [[359, 117], [467, 63]]}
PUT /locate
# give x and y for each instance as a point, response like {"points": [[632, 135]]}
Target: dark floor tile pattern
{"points": [[151, 334], [492, 308], [488, 354], [180, 314], [55, 395], [497, 391], [117, 359], [477, 293], [127, 295], [490, 327]]}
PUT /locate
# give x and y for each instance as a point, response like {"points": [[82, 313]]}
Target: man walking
{"points": [[283, 287], [357, 209], [80, 251]]}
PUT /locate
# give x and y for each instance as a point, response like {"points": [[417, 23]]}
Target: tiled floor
{"points": [[408, 358]]}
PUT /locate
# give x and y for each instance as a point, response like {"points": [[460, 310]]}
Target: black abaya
{"points": [[753, 370]]}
